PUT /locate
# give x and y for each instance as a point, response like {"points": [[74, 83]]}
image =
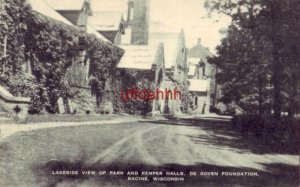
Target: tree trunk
{"points": [[260, 94], [277, 67], [294, 92]]}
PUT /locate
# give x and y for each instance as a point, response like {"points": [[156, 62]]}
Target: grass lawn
{"points": [[23, 155], [72, 117]]}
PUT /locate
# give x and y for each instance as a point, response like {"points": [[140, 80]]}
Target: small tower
{"points": [[138, 21]]}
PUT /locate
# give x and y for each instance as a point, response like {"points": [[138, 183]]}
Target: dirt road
{"points": [[144, 146], [184, 145]]}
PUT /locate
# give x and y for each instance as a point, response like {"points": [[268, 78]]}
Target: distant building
{"points": [[200, 98], [137, 41], [110, 24], [201, 74], [198, 55], [196, 69], [175, 55]]}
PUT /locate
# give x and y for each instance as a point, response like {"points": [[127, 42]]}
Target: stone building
{"points": [[110, 24], [198, 55], [114, 28], [199, 96], [166, 52], [147, 62], [140, 56], [138, 42], [175, 54], [202, 84], [75, 14]]}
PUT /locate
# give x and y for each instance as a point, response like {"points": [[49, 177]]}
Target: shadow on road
{"points": [[224, 134], [276, 175]]}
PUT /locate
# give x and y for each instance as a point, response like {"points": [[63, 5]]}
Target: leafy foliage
{"points": [[258, 56], [47, 48], [269, 131], [129, 79]]}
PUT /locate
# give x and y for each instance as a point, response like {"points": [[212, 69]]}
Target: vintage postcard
{"points": [[158, 93]]}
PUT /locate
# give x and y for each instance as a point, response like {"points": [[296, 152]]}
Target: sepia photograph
{"points": [[152, 93]]}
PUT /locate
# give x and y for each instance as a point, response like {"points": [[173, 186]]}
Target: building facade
{"points": [[202, 83]]}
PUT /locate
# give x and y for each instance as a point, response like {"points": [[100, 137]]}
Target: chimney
{"points": [[130, 11], [139, 21], [199, 41]]}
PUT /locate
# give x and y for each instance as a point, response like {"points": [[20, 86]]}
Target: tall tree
{"points": [[258, 46]]}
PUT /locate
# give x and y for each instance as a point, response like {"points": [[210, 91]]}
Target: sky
{"points": [[172, 15]]}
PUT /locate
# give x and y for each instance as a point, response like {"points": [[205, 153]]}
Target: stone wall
{"points": [[9, 107], [82, 101], [203, 103], [14, 107]]}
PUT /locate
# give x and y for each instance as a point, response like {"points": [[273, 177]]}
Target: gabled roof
{"points": [[138, 57], [200, 52], [42, 7], [106, 21], [66, 4], [91, 30], [197, 85], [170, 42]]}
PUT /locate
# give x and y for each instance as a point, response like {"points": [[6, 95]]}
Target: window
{"points": [[196, 101]]}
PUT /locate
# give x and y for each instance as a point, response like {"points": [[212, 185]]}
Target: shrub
{"points": [[267, 128]]}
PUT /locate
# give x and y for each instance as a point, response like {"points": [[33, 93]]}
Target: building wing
{"points": [[106, 21], [66, 4], [141, 57], [40, 6], [170, 42], [197, 85], [91, 30]]}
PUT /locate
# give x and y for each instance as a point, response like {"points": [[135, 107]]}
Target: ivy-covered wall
{"points": [[49, 47], [127, 79]]}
